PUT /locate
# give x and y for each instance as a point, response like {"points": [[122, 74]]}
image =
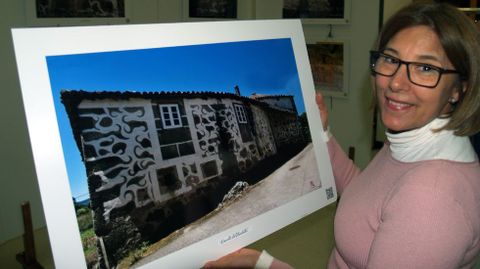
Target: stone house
{"points": [[142, 150]]}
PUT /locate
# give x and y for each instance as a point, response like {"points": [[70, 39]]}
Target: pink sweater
{"points": [[423, 214]]}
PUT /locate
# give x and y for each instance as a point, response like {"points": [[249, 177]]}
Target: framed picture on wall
{"points": [[80, 12], [328, 60], [309, 11], [150, 150], [471, 8], [210, 10]]}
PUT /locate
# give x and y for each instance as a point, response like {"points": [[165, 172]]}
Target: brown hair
{"points": [[460, 39]]}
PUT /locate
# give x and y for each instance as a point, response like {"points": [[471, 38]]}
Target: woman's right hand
{"points": [[323, 110], [241, 259]]}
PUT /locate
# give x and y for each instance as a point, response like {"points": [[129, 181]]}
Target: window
{"points": [[209, 169], [176, 150], [169, 152], [168, 179], [170, 116], [241, 115]]}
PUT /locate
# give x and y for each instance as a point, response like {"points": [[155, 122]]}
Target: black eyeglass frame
{"points": [[374, 55]]}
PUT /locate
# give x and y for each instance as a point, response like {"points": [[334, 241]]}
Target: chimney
{"points": [[237, 90]]}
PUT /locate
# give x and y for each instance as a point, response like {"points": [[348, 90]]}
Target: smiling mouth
{"points": [[397, 105]]}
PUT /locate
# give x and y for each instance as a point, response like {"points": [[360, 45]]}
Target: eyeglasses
{"points": [[421, 74]]}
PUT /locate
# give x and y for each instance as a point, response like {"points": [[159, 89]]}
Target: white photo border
{"points": [[47, 147]]}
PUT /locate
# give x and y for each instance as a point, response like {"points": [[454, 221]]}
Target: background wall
{"points": [[350, 118], [18, 177]]}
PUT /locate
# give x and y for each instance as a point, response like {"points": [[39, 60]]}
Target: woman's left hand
{"points": [[244, 258], [323, 110]]}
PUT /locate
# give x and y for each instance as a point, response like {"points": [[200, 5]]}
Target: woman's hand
{"points": [[241, 259], [323, 110]]}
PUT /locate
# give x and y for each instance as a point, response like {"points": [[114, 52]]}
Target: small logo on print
{"points": [[329, 192]]}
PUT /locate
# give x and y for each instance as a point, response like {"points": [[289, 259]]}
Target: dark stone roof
{"points": [[74, 97], [268, 96]]}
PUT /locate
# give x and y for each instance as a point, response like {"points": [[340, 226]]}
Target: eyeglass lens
{"points": [[418, 73]]}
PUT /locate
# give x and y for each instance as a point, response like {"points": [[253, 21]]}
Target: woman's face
{"points": [[404, 105]]}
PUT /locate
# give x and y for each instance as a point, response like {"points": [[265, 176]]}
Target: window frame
{"points": [[170, 113], [240, 113]]}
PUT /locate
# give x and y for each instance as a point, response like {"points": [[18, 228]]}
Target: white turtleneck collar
{"points": [[422, 144]]}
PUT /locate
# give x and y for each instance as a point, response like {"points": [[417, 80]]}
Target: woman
{"points": [[417, 204]]}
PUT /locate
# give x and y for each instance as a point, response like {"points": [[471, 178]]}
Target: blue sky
{"points": [[262, 66]]}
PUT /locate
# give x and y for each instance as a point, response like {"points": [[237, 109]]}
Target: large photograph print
{"points": [[169, 135], [173, 148]]}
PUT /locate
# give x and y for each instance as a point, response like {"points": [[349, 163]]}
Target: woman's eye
{"points": [[424, 68]]}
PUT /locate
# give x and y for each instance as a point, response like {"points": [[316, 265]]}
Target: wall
{"points": [[391, 7], [350, 118], [16, 163]]}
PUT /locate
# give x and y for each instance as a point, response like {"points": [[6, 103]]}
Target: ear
{"points": [[459, 91], [455, 96], [463, 84]]}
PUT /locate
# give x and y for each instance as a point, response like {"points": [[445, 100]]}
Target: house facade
{"points": [[142, 150]]}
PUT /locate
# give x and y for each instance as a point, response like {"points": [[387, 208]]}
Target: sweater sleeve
{"points": [[422, 226], [344, 169]]}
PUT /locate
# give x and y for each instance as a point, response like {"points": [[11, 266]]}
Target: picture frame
{"points": [[473, 13], [56, 113], [119, 12], [329, 64], [316, 12], [211, 10], [470, 8]]}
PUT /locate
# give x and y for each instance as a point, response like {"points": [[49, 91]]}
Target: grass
{"points": [[87, 234]]}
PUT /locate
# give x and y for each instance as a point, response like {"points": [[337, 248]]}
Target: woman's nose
{"points": [[400, 81]]}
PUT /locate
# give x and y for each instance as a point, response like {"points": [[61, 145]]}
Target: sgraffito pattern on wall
{"points": [[117, 149], [245, 152], [229, 123], [191, 174], [209, 116], [205, 133], [205, 128], [265, 139]]}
